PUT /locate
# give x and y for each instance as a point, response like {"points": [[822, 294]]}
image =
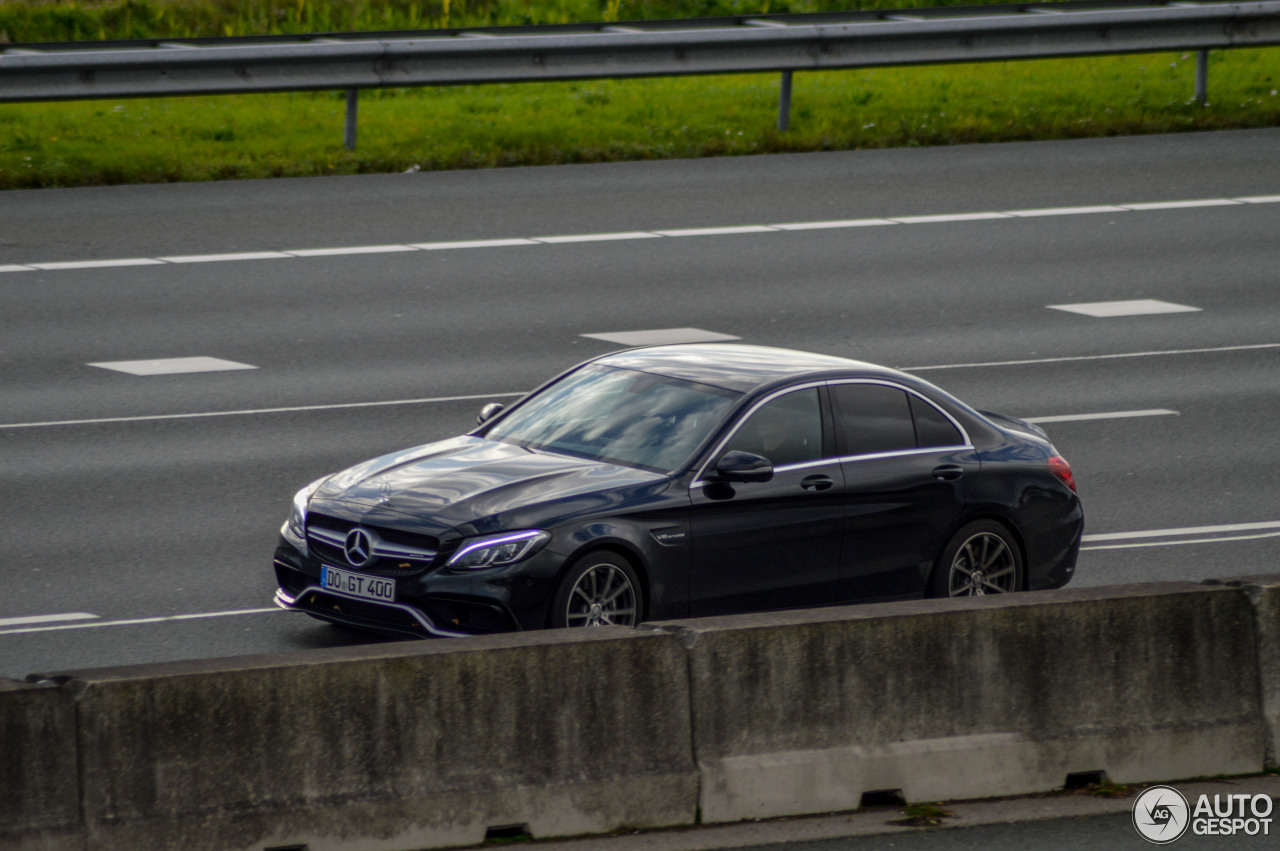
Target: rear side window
{"points": [[873, 418], [932, 426]]}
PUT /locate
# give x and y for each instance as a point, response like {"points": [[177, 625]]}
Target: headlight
{"points": [[495, 550], [295, 528]]}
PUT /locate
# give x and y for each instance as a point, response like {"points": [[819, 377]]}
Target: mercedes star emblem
{"points": [[359, 547]]}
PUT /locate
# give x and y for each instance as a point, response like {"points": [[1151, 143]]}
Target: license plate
{"points": [[357, 584]]}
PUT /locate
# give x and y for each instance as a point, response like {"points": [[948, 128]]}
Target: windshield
{"points": [[618, 415]]}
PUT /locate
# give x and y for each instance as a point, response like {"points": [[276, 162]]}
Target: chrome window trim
{"points": [[927, 450], [967, 446]]}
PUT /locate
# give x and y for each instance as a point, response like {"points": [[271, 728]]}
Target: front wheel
{"points": [[982, 558], [598, 590]]}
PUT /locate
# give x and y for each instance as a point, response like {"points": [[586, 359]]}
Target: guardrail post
{"points": [[1202, 77], [353, 103], [784, 103]]}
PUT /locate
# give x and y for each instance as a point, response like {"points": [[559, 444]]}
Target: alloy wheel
{"points": [[984, 564], [602, 596]]}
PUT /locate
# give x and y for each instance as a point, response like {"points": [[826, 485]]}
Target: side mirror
{"points": [[739, 466], [489, 411]]}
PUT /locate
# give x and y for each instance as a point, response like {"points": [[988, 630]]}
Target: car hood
{"points": [[478, 485]]}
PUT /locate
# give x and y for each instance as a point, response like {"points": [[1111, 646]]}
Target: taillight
{"points": [[1060, 468]]}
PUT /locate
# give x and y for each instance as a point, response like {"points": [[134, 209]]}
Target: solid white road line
{"points": [[223, 258], [338, 406], [954, 217], [137, 621], [97, 264], [1182, 542], [1110, 415], [250, 412], [843, 223], [682, 232], [716, 231], [69, 616], [359, 249], [597, 237], [1171, 537], [1182, 537], [1184, 531], [1067, 211], [1076, 358], [474, 243]]}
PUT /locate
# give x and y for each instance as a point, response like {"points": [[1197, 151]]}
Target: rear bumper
{"points": [[1052, 552]]}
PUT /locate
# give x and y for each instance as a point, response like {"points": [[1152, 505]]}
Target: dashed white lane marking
{"points": [[172, 366], [662, 336], [1111, 415], [681, 232], [33, 619], [136, 621], [1130, 307]]}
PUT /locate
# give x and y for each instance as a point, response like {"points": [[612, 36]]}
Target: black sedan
{"points": [[683, 481]]}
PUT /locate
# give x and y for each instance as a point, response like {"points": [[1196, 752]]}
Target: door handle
{"points": [[816, 483], [948, 472]]}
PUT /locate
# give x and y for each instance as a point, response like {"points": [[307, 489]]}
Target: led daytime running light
{"points": [[499, 550]]}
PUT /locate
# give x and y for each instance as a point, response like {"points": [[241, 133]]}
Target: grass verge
{"points": [[293, 135]]}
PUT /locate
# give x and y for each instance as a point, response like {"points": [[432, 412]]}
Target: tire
{"points": [[982, 558], [600, 589]]}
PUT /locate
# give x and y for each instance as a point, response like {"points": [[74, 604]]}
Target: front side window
{"points": [[619, 416], [786, 430]]}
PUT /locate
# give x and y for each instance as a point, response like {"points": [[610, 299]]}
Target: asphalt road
{"points": [[118, 502]]}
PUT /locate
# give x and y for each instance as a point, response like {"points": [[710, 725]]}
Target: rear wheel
{"points": [[982, 558], [600, 589]]}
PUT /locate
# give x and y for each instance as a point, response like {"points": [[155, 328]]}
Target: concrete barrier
{"points": [[395, 746], [39, 785], [807, 712], [427, 744], [1264, 594]]}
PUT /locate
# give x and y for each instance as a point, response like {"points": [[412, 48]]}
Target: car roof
{"points": [[735, 366]]}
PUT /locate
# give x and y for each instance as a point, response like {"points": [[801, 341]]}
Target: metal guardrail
{"points": [[786, 43]]}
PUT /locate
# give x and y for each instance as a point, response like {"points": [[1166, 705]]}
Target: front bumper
{"points": [[435, 602]]}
